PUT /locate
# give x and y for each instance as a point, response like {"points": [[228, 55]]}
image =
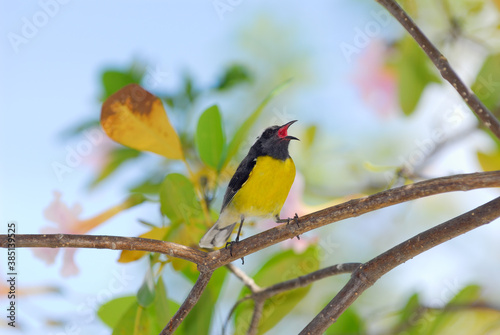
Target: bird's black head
{"points": [[274, 142]]}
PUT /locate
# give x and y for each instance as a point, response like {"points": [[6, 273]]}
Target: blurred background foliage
{"points": [[407, 133]]}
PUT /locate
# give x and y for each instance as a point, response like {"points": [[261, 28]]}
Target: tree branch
{"points": [[246, 279], [367, 274], [443, 66], [189, 303], [256, 316], [105, 242], [352, 208], [305, 280]]}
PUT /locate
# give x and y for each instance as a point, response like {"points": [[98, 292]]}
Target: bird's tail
{"points": [[216, 236]]}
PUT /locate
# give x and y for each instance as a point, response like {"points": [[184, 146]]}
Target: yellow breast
{"points": [[266, 189]]}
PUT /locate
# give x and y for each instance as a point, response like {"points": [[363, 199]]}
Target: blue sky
{"points": [[51, 82]]}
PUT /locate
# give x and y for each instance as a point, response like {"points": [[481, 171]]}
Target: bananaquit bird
{"points": [[259, 186]]}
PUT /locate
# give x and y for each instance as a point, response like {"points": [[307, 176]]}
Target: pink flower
{"points": [[67, 221], [102, 148], [26, 291], [65, 218], [294, 203], [375, 80]]}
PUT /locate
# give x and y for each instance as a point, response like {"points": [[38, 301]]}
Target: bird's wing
{"points": [[239, 178]]}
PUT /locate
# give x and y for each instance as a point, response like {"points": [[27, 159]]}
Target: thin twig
{"points": [[256, 316], [188, 304], [231, 312], [367, 274], [349, 209], [246, 279], [443, 66], [305, 280]]}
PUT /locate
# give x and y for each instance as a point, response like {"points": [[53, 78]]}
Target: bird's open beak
{"points": [[282, 132]]}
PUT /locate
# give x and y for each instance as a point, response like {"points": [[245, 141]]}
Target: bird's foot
{"points": [[229, 245], [288, 220]]}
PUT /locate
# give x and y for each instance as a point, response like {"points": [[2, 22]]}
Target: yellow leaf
{"points": [[132, 255], [136, 118], [497, 3], [179, 264], [489, 161]]}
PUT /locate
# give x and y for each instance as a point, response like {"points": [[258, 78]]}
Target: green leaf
{"points": [[189, 91], [117, 157], [244, 129], [210, 137], [282, 266], [142, 324], [162, 309], [121, 314], [414, 72], [410, 6], [135, 321], [487, 83], [410, 315], [178, 199], [114, 80], [146, 293], [125, 326], [489, 161], [349, 323], [411, 308], [149, 186], [236, 74], [162, 306], [111, 312], [467, 295]]}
